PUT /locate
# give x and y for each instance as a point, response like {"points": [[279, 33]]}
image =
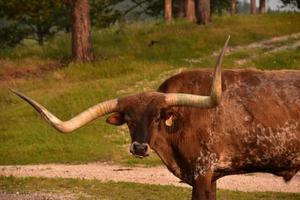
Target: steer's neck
{"points": [[166, 155]]}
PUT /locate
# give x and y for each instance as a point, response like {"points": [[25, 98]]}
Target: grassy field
{"points": [[92, 189], [125, 62]]}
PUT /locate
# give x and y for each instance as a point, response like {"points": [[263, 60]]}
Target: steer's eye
{"points": [[157, 118]]}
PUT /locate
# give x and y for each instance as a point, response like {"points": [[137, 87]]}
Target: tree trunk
{"points": [[262, 6], [168, 11], [40, 35], [203, 11], [181, 11], [253, 7], [41, 40], [81, 31], [233, 7], [190, 10]]}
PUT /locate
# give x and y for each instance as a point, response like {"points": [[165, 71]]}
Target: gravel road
{"points": [[153, 175]]}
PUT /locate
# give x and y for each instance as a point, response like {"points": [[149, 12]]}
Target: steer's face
{"points": [[149, 121]]}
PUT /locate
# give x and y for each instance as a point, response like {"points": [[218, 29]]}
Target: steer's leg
{"points": [[204, 188], [213, 190]]}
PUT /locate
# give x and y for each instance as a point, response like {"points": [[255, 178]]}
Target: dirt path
{"points": [[268, 43], [269, 46], [153, 175]]}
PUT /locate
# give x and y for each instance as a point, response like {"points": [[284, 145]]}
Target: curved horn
{"points": [[179, 99], [76, 122]]}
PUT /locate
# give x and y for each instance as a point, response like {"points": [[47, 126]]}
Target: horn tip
{"points": [[14, 91], [228, 38]]}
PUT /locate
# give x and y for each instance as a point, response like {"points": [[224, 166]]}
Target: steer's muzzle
{"points": [[139, 149]]}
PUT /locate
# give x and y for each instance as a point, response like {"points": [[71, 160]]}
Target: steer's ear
{"points": [[172, 120], [116, 119]]}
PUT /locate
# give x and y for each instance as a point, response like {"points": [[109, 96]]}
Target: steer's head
{"points": [[142, 114], [149, 115]]}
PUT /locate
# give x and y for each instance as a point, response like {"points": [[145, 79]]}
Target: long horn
{"points": [[76, 122], [179, 99]]}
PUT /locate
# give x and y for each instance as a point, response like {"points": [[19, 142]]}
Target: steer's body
{"points": [[200, 136], [256, 128]]}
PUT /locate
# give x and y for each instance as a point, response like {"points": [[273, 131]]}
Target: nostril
{"points": [[135, 146], [145, 147], [141, 147]]}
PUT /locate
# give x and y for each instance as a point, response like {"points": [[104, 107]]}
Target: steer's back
{"points": [[256, 126], [272, 97]]}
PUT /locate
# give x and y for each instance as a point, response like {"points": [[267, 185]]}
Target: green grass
{"points": [[93, 189], [289, 58], [123, 58]]}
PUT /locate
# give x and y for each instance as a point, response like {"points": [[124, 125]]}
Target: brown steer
{"points": [[254, 128]]}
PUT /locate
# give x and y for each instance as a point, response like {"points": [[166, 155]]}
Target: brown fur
{"points": [[254, 129]]}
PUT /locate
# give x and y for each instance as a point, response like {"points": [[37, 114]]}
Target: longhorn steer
{"points": [[255, 128]]}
